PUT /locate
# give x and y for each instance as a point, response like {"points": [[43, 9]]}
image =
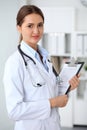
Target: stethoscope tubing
{"points": [[35, 84], [59, 81], [22, 53]]}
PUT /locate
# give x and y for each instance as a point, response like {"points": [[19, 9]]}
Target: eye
{"points": [[30, 25], [40, 25]]}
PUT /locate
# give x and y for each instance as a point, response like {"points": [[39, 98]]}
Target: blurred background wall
{"points": [[9, 37]]}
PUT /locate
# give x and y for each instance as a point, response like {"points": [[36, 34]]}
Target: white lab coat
{"points": [[29, 106]]}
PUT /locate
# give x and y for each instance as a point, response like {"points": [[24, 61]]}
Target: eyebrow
{"points": [[38, 23]]}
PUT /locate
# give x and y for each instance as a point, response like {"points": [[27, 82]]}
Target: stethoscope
{"points": [[37, 84]]}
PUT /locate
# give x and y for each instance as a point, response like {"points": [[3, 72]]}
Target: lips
{"points": [[36, 37]]}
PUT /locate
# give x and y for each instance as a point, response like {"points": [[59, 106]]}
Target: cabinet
{"points": [[80, 104], [80, 100]]}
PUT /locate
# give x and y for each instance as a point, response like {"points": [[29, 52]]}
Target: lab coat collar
{"points": [[31, 52], [25, 49]]}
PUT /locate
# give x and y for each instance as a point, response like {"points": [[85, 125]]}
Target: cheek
{"points": [[41, 32], [26, 33]]}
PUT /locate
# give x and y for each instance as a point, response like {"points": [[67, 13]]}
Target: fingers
{"points": [[59, 101], [78, 75], [62, 100], [74, 82]]}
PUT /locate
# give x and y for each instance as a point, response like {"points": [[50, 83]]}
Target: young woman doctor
{"points": [[31, 90]]}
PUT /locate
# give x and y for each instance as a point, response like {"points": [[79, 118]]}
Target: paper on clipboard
{"points": [[66, 74]]}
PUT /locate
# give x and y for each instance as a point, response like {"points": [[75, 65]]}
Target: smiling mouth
{"points": [[36, 37]]}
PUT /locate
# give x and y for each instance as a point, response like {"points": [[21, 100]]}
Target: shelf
{"points": [[80, 43], [57, 44]]}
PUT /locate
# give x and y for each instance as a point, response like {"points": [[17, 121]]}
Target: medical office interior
{"points": [[65, 36]]}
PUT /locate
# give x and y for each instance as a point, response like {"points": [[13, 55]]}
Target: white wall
{"points": [[8, 43], [81, 11]]}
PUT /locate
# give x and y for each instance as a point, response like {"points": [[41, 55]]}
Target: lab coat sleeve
{"points": [[17, 108]]}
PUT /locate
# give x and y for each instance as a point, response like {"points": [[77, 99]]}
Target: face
{"points": [[32, 29]]}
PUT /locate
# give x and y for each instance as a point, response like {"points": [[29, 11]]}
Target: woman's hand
{"points": [[74, 82], [59, 101]]}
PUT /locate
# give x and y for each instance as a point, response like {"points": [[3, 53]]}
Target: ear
{"points": [[19, 28]]}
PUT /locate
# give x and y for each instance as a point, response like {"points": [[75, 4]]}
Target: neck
{"points": [[34, 46]]}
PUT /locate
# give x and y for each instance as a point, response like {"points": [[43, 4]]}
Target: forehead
{"points": [[33, 18]]}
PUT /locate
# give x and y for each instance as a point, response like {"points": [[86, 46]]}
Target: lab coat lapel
{"points": [[47, 76]]}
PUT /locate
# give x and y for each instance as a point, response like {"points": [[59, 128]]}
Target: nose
{"points": [[36, 30]]}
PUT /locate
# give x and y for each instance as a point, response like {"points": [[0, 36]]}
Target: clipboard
{"points": [[67, 72]]}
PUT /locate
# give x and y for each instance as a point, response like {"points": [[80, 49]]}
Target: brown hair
{"points": [[26, 10]]}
